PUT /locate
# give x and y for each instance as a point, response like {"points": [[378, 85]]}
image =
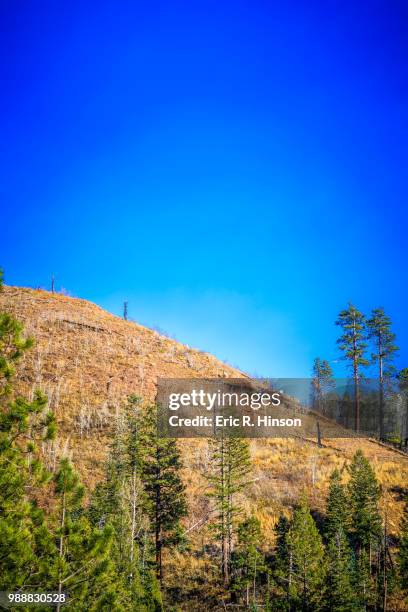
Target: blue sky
{"points": [[237, 171]]}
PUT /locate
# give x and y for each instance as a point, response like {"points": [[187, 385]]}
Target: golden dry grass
{"points": [[88, 361]]}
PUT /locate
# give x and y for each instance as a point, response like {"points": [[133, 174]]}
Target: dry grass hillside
{"points": [[87, 361]]}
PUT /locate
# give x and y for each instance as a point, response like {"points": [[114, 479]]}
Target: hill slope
{"points": [[88, 361]]}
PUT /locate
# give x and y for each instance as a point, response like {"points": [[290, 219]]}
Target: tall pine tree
{"points": [[352, 344], [120, 501], [379, 331], [230, 460], [161, 475]]}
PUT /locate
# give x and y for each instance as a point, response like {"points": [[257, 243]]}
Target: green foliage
{"points": [[26, 544], [306, 568], [340, 592], [230, 461], [403, 551], [247, 561], [352, 344], [322, 383], [82, 566], [12, 347], [120, 502], [337, 512], [160, 472], [363, 495], [352, 341], [379, 331]]}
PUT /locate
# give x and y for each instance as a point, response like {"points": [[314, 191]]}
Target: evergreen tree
{"points": [[322, 383], [363, 497], [337, 512], [120, 501], [25, 542], [352, 344], [403, 551], [306, 570], [402, 377], [341, 596], [160, 474], [340, 592], [82, 567], [230, 460], [247, 560], [379, 331], [12, 347]]}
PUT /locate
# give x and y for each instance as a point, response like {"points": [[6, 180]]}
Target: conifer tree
{"points": [[379, 331], [120, 501], [402, 377], [352, 344], [161, 476], [363, 581], [247, 560], [306, 570], [341, 595], [82, 567], [337, 511], [340, 592], [230, 460], [403, 551], [322, 383], [25, 542], [363, 496]]}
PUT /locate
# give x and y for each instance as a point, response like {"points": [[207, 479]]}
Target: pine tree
{"points": [[299, 567], [322, 383], [82, 567], [402, 377], [403, 551], [379, 331], [306, 570], [352, 343], [341, 595], [363, 581], [337, 511], [365, 526], [12, 347], [120, 501], [230, 459], [25, 541], [363, 496], [247, 561], [160, 473]]}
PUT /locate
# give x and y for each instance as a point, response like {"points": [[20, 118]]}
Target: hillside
{"points": [[87, 361]]}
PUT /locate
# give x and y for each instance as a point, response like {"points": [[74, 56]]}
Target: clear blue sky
{"points": [[236, 170]]}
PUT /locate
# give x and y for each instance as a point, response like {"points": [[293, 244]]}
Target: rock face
{"points": [[88, 361]]}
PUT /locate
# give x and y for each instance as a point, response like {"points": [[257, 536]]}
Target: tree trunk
{"points": [[381, 375]]}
